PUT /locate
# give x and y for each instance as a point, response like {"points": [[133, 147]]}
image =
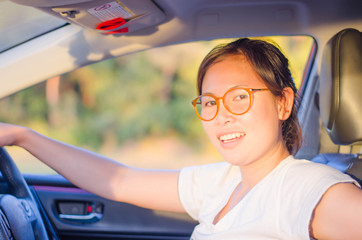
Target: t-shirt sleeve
{"points": [[189, 187], [315, 180], [196, 184]]}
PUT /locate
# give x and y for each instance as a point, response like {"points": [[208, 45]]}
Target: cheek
{"points": [[208, 128], [264, 117]]}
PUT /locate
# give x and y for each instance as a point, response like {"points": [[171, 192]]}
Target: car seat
{"points": [[340, 99]]}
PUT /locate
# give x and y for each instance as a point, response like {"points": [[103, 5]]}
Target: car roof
{"points": [[168, 22]]}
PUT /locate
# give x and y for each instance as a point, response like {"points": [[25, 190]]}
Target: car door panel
{"points": [[99, 218]]}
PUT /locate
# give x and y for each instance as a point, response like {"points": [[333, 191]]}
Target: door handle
{"points": [[91, 217], [80, 211]]}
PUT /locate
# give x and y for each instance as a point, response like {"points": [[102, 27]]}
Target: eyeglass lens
{"points": [[236, 101]]}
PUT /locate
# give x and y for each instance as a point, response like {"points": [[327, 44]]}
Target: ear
{"points": [[285, 103]]}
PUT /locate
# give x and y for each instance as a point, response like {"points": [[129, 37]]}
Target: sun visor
{"points": [[105, 16]]}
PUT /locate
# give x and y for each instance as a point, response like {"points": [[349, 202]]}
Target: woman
{"points": [[247, 107]]}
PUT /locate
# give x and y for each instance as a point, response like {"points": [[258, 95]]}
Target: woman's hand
{"points": [[11, 134]]}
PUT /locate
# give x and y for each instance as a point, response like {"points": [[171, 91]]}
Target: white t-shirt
{"points": [[280, 206]]}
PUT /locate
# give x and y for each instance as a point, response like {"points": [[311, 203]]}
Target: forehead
{"points": [[229, 72]]}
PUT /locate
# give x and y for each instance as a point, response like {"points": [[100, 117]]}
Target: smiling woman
{"points": [[103, 106], [101, 90], [258, 177]]}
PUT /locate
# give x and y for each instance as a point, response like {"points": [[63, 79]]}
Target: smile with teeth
{"points": [[231, 136]]}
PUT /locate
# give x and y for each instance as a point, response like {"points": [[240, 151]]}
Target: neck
{"points": [[257, 170]]}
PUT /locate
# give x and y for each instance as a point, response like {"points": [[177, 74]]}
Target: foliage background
{"points": [[135, 108]]}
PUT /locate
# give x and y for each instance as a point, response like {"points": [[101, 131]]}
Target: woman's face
{"points": [[243, 139]]}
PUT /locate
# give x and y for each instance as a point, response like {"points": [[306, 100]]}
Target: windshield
{"points": [[135, 109], [19, 24]]}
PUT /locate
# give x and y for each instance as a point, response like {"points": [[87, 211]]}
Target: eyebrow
{"points": [[228, 89]]}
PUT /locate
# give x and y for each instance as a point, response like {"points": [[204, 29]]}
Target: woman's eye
{"points": [[241, 97], [210, 103]]}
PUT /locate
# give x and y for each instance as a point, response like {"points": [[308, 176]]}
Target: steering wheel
{"points": [[20, 218]]}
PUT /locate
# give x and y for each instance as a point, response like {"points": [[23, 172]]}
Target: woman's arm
{"points": [[97, 174], [339, 213]]}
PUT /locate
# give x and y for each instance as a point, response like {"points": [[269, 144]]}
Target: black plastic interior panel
{"points": [[115, 220]]}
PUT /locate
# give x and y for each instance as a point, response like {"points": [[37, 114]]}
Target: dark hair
{"points": [[272, 66]]}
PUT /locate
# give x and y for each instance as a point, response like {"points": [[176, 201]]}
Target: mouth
{"points": [[231, 137]]}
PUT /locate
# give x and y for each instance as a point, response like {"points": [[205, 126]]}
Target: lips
{"points": [[231, 137]]}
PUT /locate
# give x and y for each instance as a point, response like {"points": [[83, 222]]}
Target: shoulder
{"points": [[308, 172], [309, 181], [339, 213], [303, 184]]}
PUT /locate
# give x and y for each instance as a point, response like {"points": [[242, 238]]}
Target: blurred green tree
{"points": [[130, 97]]}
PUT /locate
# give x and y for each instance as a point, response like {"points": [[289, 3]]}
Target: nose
{"points": [[223, 116]]}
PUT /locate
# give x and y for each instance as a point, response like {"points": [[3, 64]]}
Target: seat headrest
{"points": [[341, 87]]}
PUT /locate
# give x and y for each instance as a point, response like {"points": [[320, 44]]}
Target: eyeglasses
{"points": [[237, 100]]}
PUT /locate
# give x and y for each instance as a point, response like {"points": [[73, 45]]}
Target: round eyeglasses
{"points": [[237, 101]]}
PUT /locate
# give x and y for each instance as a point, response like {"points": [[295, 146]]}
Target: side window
{"points": [[135, 109], [300, 51]]}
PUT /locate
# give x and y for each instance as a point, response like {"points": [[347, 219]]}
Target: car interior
{"points": [[340, 97], [80, 33]]}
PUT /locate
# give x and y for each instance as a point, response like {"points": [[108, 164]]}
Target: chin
{"points": [[238, 160]]}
